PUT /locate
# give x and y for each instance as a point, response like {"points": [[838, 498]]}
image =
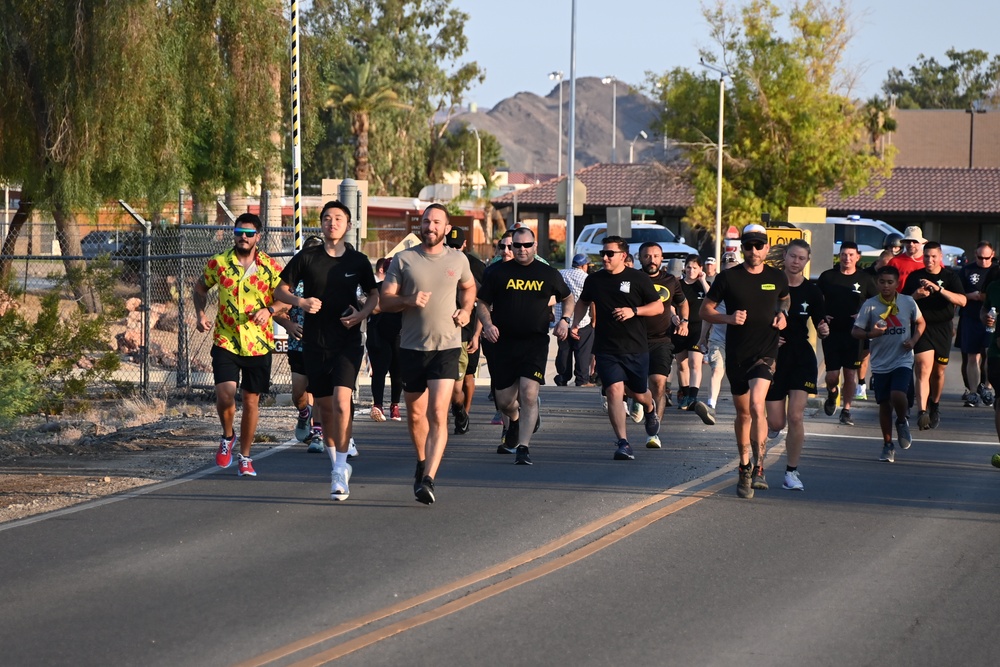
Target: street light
{"points": [[614, 115], [479, 157], [718, 177], [558, 76], [631, 144], [972, 111]]}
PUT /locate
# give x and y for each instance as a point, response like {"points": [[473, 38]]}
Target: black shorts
{"points": [[661, 357], [973, 337], [690, 342], [295, 362], [332, 369], [472, 367], [795, 370], [515, 358], [841, 350], [256, 371], [417, 367], [632, 369], [739, 373], [936, 337], [898, 379]]}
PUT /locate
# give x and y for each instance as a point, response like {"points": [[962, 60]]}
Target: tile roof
{"points": [[528, 178], [929, 190], [639, 185]]}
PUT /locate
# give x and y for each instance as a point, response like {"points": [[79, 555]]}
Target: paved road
{"points": [[578, 559]]}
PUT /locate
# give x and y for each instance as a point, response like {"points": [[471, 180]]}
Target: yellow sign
{"points": [[806, 214], [782, 235]]}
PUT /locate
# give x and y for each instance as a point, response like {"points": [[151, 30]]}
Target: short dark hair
{"points": [[251, 218], [440, 207], [523, 229], [692, 258], [336, 203], [616, 240], [849, 245], [802, 243], [932, 245], [888, 269], [650, 244]]}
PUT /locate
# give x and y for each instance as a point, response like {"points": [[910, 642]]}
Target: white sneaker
{"points": [[604, 403], [792, 481], [653, 442], [861, 394], [352, 451], [339, 477], [636, 411]]}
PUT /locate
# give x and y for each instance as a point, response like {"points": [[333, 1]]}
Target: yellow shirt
{"points": [[241, 294]]}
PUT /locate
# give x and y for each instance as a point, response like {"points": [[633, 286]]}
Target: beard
{"points": [[243, 251], [652, 269]]}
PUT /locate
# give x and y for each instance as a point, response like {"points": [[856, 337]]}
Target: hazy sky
{"points": [[519, 42]]}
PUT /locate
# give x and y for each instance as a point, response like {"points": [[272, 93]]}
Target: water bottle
{"points": [[993, 314]]}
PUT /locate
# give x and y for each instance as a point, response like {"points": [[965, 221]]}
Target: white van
{"points": [[870, 236]]}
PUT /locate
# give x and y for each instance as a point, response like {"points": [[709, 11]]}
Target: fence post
{"points": [[183, 363], [147, 295]]}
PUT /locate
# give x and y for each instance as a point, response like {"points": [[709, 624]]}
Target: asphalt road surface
{"points": [[577, 559]]}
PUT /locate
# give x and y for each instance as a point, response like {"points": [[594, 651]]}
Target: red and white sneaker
{"points": [[394, 412], [224, 455], [245, 467]]}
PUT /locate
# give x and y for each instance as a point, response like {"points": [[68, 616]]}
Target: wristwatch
{"points": [[270, 309], [635, 312], [567, 320], [684, 319]]}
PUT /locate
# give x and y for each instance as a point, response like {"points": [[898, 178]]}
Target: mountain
{"points": [[527, 126]]}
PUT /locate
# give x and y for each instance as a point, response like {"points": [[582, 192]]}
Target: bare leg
{"points": [[615, 394], [225, 404], [922, 365], [439, 396], [797, 401], [248, 422]]}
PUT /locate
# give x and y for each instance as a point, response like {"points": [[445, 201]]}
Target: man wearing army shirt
{"points": [[937, 290], [518, 293], [757, 301]]}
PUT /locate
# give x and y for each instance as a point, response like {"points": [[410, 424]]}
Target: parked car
{"points": [[107, 242], [590, 241], [870, 236]]}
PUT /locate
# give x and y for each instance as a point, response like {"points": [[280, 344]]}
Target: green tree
{"points": [[790, 134], [458, 152], [968, 78]]}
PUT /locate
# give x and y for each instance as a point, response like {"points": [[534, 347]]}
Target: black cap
{"points": [[455, 238]]}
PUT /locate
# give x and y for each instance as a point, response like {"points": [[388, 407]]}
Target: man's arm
{"points": [[200, 297], [562, 326]]}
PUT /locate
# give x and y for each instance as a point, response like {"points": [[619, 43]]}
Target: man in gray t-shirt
{"points": [[424, 283]]}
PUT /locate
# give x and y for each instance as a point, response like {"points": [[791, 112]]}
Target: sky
{"points": [[518, 42]]}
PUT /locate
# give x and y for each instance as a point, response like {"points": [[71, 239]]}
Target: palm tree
{"points": [[360, 92]]}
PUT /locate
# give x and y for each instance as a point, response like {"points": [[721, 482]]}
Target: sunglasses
{"points": [[754, 245], [910, 241], [609, 253], [984, 257], [249, 233], [504, 246], [522, 245]]}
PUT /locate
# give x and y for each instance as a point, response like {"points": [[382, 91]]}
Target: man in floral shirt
{"points": [[243, 337]]}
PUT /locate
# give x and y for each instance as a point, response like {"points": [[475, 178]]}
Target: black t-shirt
{"points": [[668, 287], [844, 295], [334, 281], [630, 288], [758, 294], [519, 296], [695, 295], [973, 280], [935, 308], [478, 268], [806, 304]]}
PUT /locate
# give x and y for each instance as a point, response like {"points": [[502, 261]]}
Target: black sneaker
{"points": [[744, 488], [652, 421], [923, 420], [706, 413], [845, 417], [624, 451], [425, 492], [830, 404], [668, 400], [509, 438], [757, 479], [934, 415], [418, 477], [521, 456], [461, 418]]}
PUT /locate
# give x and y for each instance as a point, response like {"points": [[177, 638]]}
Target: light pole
{"points": [[972, 111], [718, 176], [558, 76], [479, 157], [631, 144], [614, 115]]}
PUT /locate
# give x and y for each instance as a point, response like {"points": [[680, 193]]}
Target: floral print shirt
{"points": [[241, 294]]}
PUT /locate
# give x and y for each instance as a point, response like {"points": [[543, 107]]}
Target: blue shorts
{"points": [[974, 339], [632, 369], [899, 379]]}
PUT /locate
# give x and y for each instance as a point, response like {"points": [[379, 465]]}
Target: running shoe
{"points": [[244, 467], [744, 489], [923, 421], [624, 451], [604, 403], [971, 400], [888, 453], [418, 477], [502, 447], [792, 481], [668, 399], [988, 397], [303, 425], [653, 442], [845, 417], [774, 437], [339, 478], [861, 393], [425, 493], [376, 414], [830, 404], [636, 411], [686, 403], [652, 421], [224, 456], [521, 456], [903, 433], [461, 418], [511, 436], [352, 449], [706, 412], [965, 394], [316, 444], [394, 412], [934, 415], [497, 419], [757, 479]]}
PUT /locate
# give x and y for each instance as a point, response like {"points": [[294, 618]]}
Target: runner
{"points": [[468, 364], [971, 334], [756, 297], [332, 275], [425, 282], [796, 368], [514, 310], [689, 352]]}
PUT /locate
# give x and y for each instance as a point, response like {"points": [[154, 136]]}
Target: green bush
{"points": [[20, 390]]}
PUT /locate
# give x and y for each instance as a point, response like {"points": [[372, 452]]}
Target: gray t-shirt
{"points": [[887, 351], [431, 327]]}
